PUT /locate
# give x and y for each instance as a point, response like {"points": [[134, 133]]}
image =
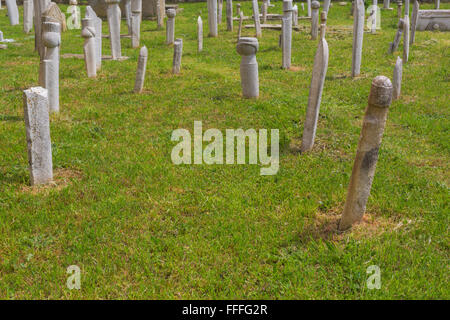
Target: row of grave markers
{"points": [[40, 101]]}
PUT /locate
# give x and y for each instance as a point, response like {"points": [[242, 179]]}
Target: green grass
{"points": [[140, 227]]}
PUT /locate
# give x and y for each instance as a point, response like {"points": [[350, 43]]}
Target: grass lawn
{"points": [[139, 226]]}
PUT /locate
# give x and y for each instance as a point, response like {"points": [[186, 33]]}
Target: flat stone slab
{"points": [[81, 56], [269, 26], [429, 20]]}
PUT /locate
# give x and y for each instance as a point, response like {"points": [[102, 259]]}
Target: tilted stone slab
{"points": [[428, 20]]}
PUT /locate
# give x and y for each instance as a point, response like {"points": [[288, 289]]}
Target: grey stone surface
{"points": [[247, 48], [219, 11], [358, 34], [160, 13], [1, 36], [315, 19], [90, 58], [51, 37], [177, 54], [238, 9], [399, 9], [386, 4], [199, 34], [393, 46], [405, 39], [13, 12], [433, 20], [315, 90], [170, 27], [286, 43], [326, 5], [241, 20], [414, 16], [37, 125], [136, 16], [397, 79], [406, 13], [114, 16], [212, 18], [39, 8], [256, 18], [141, 68], [308, 2], [229, 15], [27, 15], [295, 16], [437, 4], [264, 8], [380, 99], [90, 13]]}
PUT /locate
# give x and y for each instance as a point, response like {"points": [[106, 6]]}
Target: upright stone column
{"points": [[367, 155], [39, 7], [241, 20], [326, 5], [316, 89], [286, 43], [375, 16], [212, 18], [397, 79], [229, 15], [315, 20], [51, 38], [393, 46], [27, 15], [136, 10], [399, 9], [308, 2], [219, 11], [406, 38], [141, 68], [177, 53], [160, 12], [13, 12], [265, 7], [358, 34], [256, 18], [414, 17], [39, 145], [128, 13], [295, 16], [406, 8], [247, 48], [386, 4], [88, 33], [170, 28], [437, 4], [90, 13], [114, 16], [199, 34]]}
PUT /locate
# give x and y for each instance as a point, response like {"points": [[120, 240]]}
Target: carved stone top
{"points": [[381, 92], [247, 46], [315, 5], [88, 29], [51, 34], [287, 5], [171, 13]]}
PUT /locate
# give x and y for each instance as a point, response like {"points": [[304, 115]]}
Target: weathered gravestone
{"points": [[397, 79], [414, 17], [170, 27], [315, 20], [229, 15], [136, 16], [114, 16], [51, 37], [88, 33], [247, 48], [90, 13], [358, 34], [380, 99], [393, 46], [141, 68], [256, 18], [199, 34], [27, 15], [406, 38], [433, 20], [212, 18], [177, 54], [13, 12], [286, 33]]}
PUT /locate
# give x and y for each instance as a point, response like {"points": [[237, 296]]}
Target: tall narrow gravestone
{"points": [[114, 17], [397, 79], [170, 27], [414, 16], [27, 15], [315, 20], [51, 37], [399, 9], [393, 46], [212, 18], [219, 11], [295, 16], [405, 38], [316, 89], [160, 12], [286, 42], [39, 8], [136, 10], [229, 15], [358, 34], [141, 68], [406, 8], [264, 8], [308, 2], [90, 13], [88, 33], [247, 48], [241, 20], [326, 5], [256, 18], [177, 54], [386, 4], [13, 12], [127, 9], [199, 34], [37, 124], [380, 99]]}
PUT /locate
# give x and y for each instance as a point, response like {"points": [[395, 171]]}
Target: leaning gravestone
{"points": [[141, 68], [380, 99], [326, 5], [358, 34], [316, 89], [88, 33], [37, 124], [256, 18], [433, 20], [241, 20], [247, 48], [393, 46]]}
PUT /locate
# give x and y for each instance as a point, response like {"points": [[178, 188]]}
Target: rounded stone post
{"points": [[256, 18], [229, 15], [39, 145], [212, 18], [136, 9], [114, 17], [247, 48], [315, 20], [286, 42], [358, 34], [51, 38], [177, 53], [170, 27], [199, 34], [380, 98], [90, 13], [88, 33], [27, 15], [141, 68], [397, 79], [405, 38], [13, 12]]}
